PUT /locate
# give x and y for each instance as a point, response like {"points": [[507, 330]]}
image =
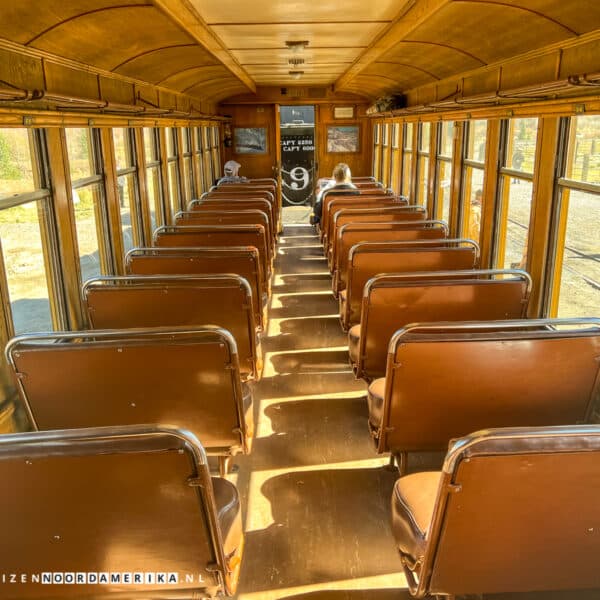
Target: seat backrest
{"points": [[235, 205], [522, 505], [391, 302], [473, 375], [353, 198], [217, 235], [233, 192], [243, 261], [367, 259], [187, 378], [226, 217], [353, 233], [110, 501], [177, 300], [412, 212], [383, 214]]}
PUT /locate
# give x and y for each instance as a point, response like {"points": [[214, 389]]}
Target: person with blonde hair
{"points": [[341, 180]]}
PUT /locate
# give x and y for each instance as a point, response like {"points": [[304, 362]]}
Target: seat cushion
{"points": [[375, 397], [413, 501], [354, 343], [247, 403], [229, 514]]}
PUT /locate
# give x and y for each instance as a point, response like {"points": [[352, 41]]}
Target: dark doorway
{"points": [[297, 128]]}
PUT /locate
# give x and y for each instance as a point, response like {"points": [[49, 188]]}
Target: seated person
{"points": [[342, 180], [231, 169]]}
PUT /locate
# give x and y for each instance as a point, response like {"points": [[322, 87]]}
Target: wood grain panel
{"points": [[191, 77], [23, 20], [157, 65], [286, 11], [108, 38], [310, 55], [318, 34]]}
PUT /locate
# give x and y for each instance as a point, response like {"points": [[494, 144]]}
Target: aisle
{"points": [[315, 495]]}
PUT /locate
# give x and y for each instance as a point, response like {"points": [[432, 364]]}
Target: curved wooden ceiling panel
{"points": [[490, 32], [107, 39], [580, 17], [34, 17], [189, 78], [402, 74], [433, 58], [157, 65]]}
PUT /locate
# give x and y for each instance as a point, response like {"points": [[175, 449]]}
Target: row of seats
{"points": [[447, 350], [129, 412]]}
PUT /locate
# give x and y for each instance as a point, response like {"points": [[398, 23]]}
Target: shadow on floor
{"points": [[303, 282], [303, 304], [310, 509], [314, 432], [320, 361], [306, 332]]}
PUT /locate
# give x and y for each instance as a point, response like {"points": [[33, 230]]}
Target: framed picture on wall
{"points": [[250, 140], [343, 138]]}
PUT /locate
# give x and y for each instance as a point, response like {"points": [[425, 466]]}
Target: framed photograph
{"points": [[343, 138], [343, 112], [250, 140]]}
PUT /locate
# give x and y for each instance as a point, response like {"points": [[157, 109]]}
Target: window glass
{"points": [[122, 143], [584, 162], [477, 135], [127, 194], [171, 148], [154, 195], [444, 170], [376, 129], [386, 134], [185, 139], [81, 156], [446, 138], [150, 149], [580, 277], [396, 135], [517, 193], [472, 197], [425, 137], [22, 250], [522, 139], [408, 136], [87, 203], [16, 170]]}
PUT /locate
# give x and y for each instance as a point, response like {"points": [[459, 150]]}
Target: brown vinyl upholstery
{"points": [[340, 201], [227, 217], [385, 214], [393, 301], [117, 500], [368, 259], [234, 204], [514, 510], [218, 235], [177, 300], [187, 378], [444, 380], [244, 191], [392, 231], [243, 261]]}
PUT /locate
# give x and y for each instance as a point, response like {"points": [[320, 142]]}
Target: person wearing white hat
{"points": [[231, 169]]}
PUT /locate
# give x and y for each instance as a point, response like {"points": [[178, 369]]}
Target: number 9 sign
{"points": [[299, 175]]}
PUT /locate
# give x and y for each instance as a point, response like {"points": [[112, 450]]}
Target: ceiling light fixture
{"points": [[296, 74], [296, 46]]}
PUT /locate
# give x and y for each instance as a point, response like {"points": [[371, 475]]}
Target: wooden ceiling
{"points": [[214, 49]]}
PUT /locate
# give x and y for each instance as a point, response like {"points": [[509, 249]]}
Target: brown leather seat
{"points": [[514, 510], [375, 400], [446, 379], [393, 301], [243, 261], [413, 503], [369, 259], [396, 231], [178, 300], [186, 377], [117, 500]]}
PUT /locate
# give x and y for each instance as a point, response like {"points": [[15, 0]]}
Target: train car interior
{"points": [[300, 301]]}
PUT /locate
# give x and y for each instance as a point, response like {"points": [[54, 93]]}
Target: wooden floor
{"points": [[315, 495]]}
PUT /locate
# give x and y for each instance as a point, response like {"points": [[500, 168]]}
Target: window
{"points": [[576, 289], [188, 172], [423, 163], [28, 233], [198, 162], [127, 183], [443, 175], [208, 168], [407, 159], [153, 178], [173, 170], [88, 202], [376, 152], [396, 160], [518, 139], [215, 153], [473, 166]]}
